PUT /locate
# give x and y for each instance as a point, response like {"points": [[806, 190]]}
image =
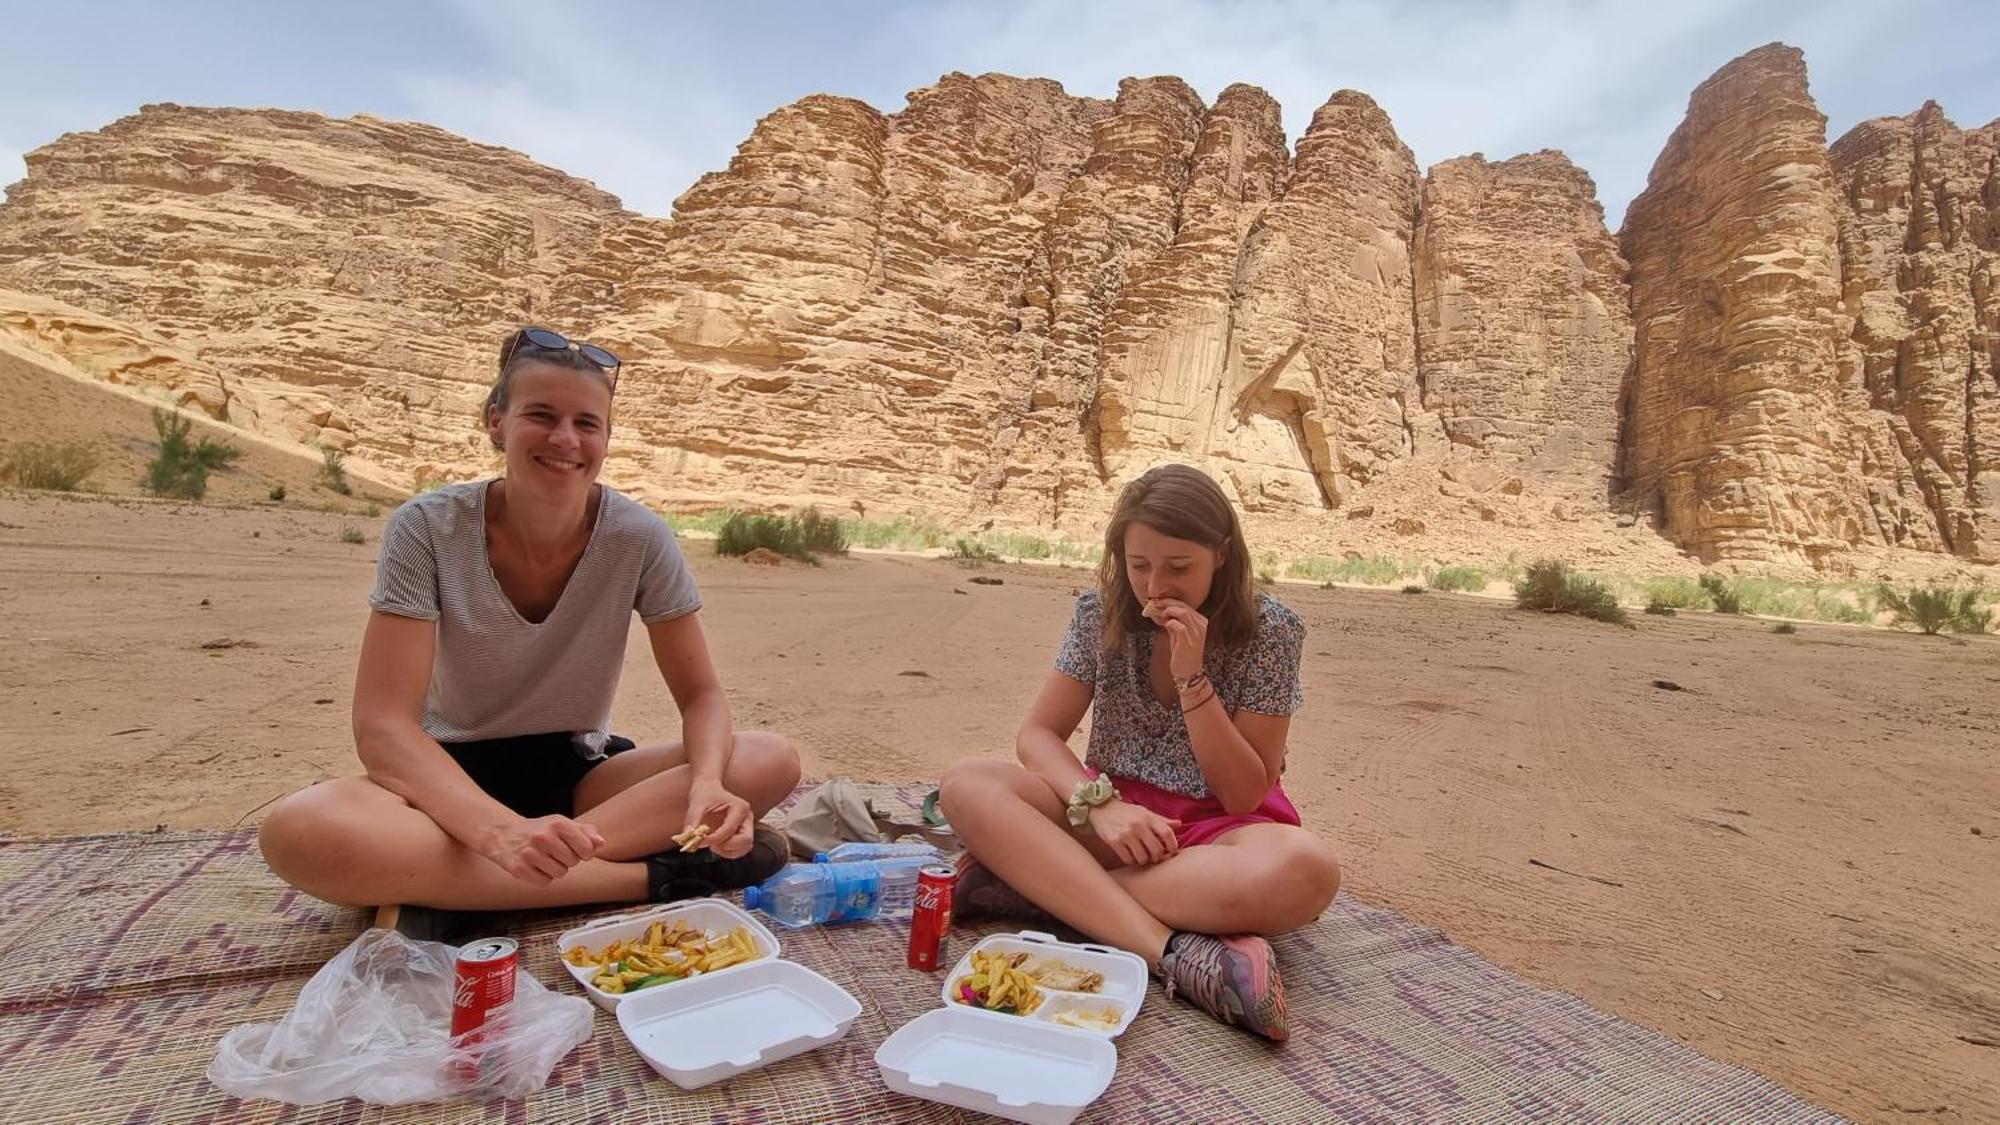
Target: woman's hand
{"points": [[1139, 835], [1187, 633], [728, 817], [543, 849]]}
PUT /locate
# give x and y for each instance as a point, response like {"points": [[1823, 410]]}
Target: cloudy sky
{"points": [[644, 97]]}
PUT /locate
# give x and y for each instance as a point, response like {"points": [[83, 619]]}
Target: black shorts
{"points": [[533, 774]]}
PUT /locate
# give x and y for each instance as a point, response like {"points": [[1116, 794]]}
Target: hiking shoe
{"points": [[674, 874], [978, 893], [1234, 979]]}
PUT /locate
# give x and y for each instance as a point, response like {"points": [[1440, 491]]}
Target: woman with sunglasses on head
{"points": [[500, 614], [1173, 838]]}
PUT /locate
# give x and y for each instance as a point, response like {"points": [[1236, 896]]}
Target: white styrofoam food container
{"points": [[718, 1025], [1024, 1068], [715, 915]]}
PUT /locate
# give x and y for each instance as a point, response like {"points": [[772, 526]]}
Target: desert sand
{"points": [[1786, 859]]}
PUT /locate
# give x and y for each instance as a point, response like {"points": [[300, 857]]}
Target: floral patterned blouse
{"points": [[1133, 734]]}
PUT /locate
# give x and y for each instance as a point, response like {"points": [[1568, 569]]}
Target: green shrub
{"points": [[277, 492], [61, 466], [1550, 586], [1674, 593], [333, 470], [1368, 570], [1720, 595], [1464, 578], [1937, 609], [352, 534], [182, 468], [1784, 628], [804, 536], [1661, 607], [1413, 589], [970, 552]]}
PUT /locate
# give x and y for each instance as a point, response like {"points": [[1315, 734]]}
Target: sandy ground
{"points": [[1789, 863]]}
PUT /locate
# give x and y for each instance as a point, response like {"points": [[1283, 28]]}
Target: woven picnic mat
{"points": [[124, 958]]}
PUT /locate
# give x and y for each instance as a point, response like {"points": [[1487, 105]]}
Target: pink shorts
{"points": [[1202, 818]]}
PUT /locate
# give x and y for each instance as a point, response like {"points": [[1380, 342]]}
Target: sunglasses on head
{"points": [[545, 340]]}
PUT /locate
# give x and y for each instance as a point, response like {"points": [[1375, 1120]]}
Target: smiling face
{"points": [[1159, 566], [555, 429]]}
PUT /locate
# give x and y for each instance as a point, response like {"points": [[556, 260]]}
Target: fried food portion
{"points": [[692, 838], [664, 954], [997, 984]]}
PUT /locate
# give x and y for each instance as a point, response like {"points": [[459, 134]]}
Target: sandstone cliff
{"points": [[1001, 301], [1816, 360]]}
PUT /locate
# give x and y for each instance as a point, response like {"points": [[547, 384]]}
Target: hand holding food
{"points": [[733, 819], [1187, 633]]}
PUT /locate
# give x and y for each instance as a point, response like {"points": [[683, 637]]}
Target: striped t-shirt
{"points": [[497, 674]]}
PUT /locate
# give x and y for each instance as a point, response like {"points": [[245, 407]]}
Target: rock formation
{"points": [[1002, 301], [1920, 254], [1815, 355]]}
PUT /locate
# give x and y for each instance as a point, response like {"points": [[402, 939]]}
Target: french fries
{"points": [[692, 838], [665, 953], [997, 984]]}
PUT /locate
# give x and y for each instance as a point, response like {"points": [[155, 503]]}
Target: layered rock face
{"points": [[1816, 365], [347, 279], [1524, 328], [1737, 433], [1920, 251], [1003, 301]]}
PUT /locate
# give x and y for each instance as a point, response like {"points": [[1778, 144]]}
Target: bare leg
{"points": [[638, 799], [1257, 879], [1012, 822], [351, 841]]}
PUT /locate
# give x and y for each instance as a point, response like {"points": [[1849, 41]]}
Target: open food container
{"points": [[720, 1024], [1041, 1063], [714, 1024], [712, 915]]}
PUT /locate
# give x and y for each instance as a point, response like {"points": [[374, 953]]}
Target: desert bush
{"points": [[333, 470], [1458, 578], [804, 536], [1784, 628], [1660, 607], [970, 552], [1413, 588], [1673, 593], [182, 467], [61, 466], [1369, 570], [1936, 610], [1720, 595], [352, 534], [277, 492], [1550, 586]]}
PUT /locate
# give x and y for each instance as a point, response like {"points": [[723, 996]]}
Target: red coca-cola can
{"points": [[932, 915], [482, 986]]}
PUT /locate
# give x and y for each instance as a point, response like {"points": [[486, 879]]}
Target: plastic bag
{"points": [[375, 1024]]}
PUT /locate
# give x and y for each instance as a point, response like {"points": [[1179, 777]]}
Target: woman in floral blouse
{"points": [[1173, 837]]}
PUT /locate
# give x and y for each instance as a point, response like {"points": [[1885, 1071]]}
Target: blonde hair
{"points": [[1181, 502]]}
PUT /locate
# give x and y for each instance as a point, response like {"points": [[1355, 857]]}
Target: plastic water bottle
{"points": [[806, 894], [854, 850], [898, 864]]}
